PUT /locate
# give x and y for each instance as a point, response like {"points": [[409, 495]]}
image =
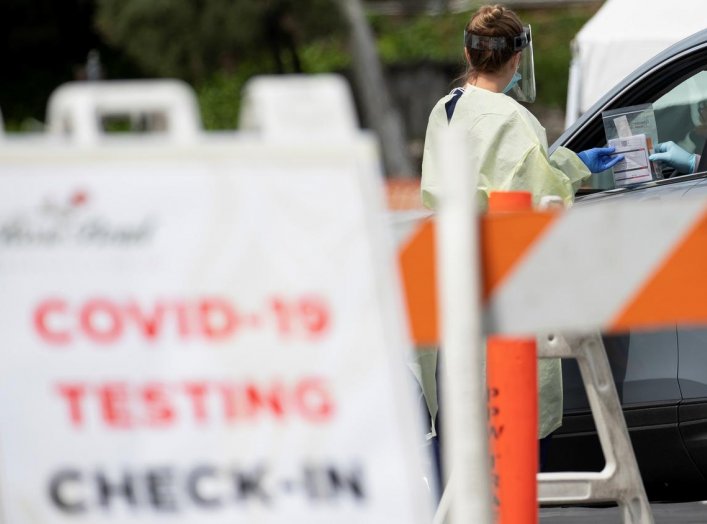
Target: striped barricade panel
{"points": [[605, 267]]}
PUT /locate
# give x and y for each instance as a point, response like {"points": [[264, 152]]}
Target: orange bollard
{"points": [[505, 201], [512, 379]]}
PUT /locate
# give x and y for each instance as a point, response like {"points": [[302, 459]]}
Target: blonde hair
{"points": [[494, 21]]}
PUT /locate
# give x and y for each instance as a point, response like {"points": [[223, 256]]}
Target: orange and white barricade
{"points": [[582, 271]]}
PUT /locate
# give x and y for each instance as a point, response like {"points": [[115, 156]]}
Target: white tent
{"points": [[621, 36]]}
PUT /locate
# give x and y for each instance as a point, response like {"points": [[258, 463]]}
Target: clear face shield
{"points": [[522, 86]]}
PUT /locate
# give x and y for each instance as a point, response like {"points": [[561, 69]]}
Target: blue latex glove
{"points": [[599, 159], [675, 156]]}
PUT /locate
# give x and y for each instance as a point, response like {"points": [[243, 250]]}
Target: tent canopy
{"points": [[620, 37]]}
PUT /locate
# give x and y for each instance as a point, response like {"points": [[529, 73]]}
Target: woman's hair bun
{"points": [[492, 21], [490, 14]]}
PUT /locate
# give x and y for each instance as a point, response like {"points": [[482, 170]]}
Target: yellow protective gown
{"points": [[510, 147], [508, 144]]}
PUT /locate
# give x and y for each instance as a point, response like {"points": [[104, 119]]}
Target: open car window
{"points": [[681, 117], [681, 113], [677, 88]]}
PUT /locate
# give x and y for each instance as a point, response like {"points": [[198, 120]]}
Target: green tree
{"points": [[203, 40], [193, 39]]}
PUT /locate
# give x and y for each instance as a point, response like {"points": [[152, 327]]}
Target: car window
{"points": [[677, 87], [681, 117], [681, 113]]}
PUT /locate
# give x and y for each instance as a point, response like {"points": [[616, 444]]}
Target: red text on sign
{"points": [[105, 321], [124, 405]]}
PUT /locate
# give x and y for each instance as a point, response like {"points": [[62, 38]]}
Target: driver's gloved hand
{"points": [[675, 156]]}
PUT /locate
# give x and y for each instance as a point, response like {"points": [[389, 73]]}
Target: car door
{"points": [[692, 377], [649, 367]]}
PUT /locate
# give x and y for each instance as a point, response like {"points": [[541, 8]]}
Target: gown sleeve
{"points": [[514, 158]]}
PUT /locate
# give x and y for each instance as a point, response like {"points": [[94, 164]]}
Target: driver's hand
{"points": [[675, 156]]}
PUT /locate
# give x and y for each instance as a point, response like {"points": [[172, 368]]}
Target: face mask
{"points": [[516, 78]]}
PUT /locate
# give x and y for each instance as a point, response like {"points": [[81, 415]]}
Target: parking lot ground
{"points": [[663, 513]]}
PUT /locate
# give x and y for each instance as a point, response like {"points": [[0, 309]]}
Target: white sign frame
{"points": [[115, 184]]}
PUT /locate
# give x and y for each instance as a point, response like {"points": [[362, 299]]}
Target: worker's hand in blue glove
{"points": [[600, 159], [675, 156]]}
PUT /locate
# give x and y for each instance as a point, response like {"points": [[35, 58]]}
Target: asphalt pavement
{"points": [[663, 513]]}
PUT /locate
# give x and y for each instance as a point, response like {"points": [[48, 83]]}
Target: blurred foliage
{"points": [[435, 38], [553, 31], [220, 96], [193, 39], [439, 39], [326, 55], [218, 44]]}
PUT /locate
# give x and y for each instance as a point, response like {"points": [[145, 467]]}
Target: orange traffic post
{"points": [[512, 380]]}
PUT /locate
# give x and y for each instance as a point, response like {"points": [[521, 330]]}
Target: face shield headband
{"points": [[523, 85], [494, 43]]}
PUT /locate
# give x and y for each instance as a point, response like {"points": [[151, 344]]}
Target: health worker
{"points": [[508, 145], [504, 139]]}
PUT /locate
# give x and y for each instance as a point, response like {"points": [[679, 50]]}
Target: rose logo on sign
{"points": [[72, 221]]}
